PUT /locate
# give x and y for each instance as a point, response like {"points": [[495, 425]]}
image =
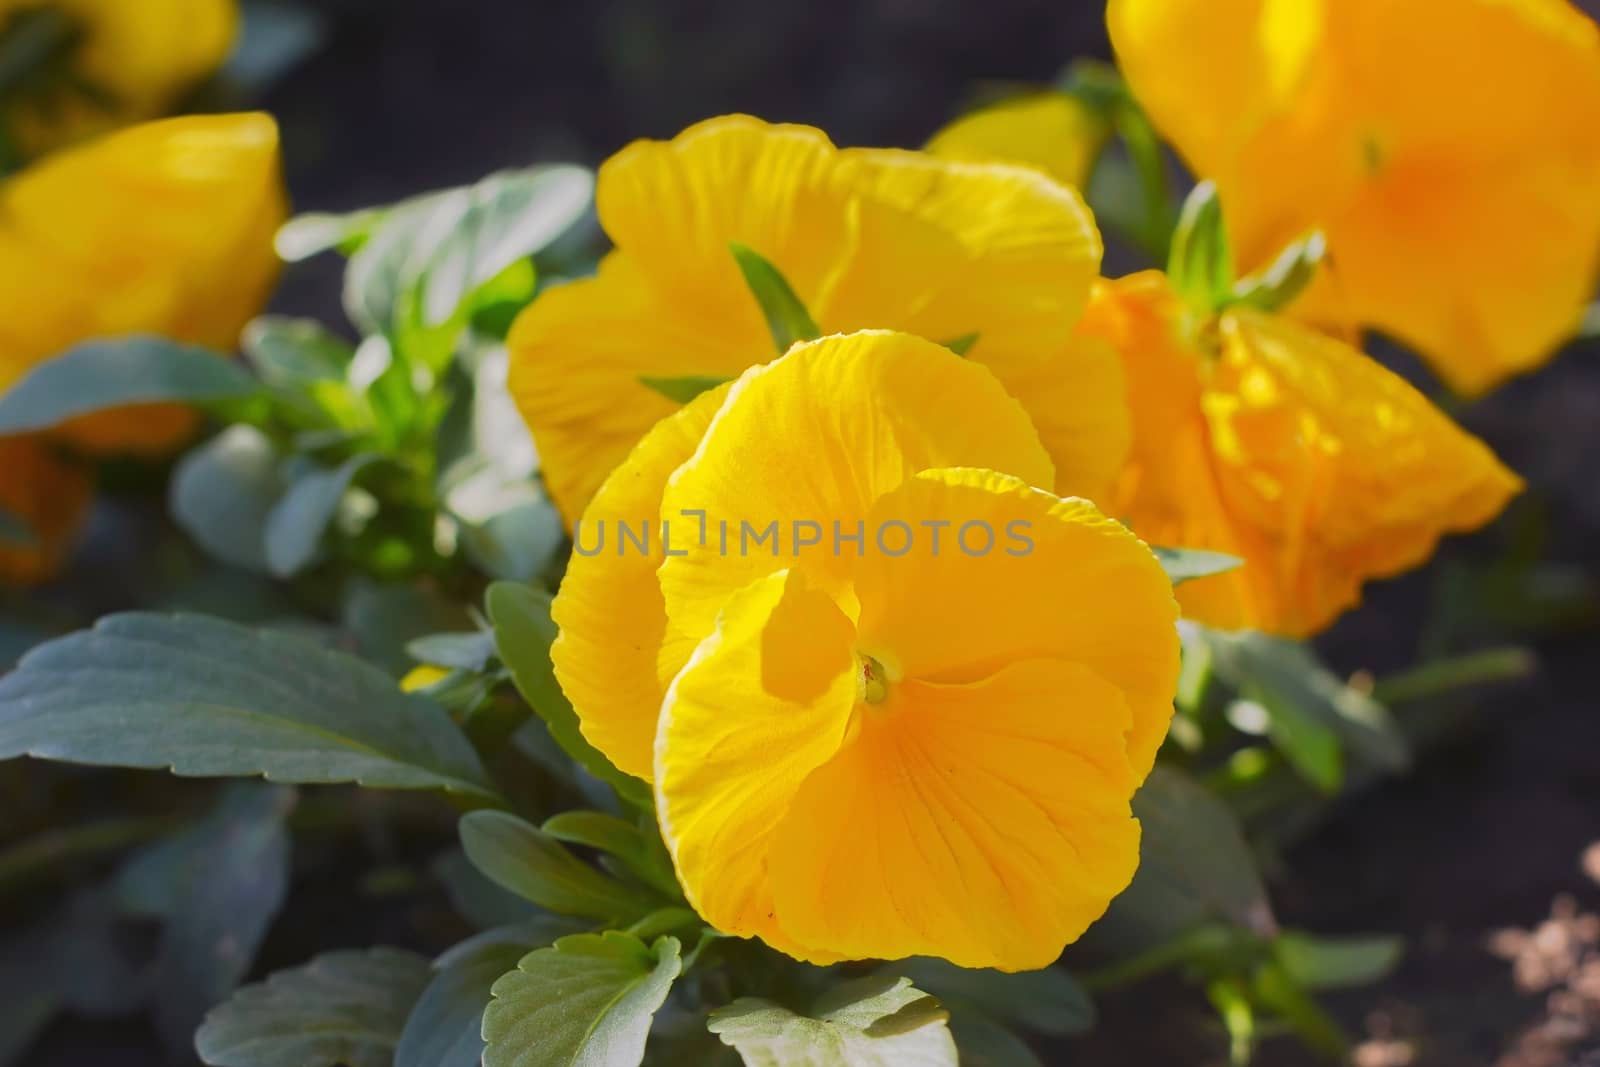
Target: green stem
{"points": [[1458, 672]]}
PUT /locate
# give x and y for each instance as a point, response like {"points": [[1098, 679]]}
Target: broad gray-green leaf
{"points": [[1186, 564], [295, 527], [873, 1022], [293, 352], [1201, 261], [786, 314], [216, 888], [1048, 1001], [983, 1042], [384, 618], [1195, 868], [523, 632], [462, 651], [98, 375], [208, 698], [518, 540], [446, 1025], [1288, 679], [587, 1001], [638, 849], [413, 277], [529, 862], [684, 389], [343, 1009], [223, 492], [1335, 962]]}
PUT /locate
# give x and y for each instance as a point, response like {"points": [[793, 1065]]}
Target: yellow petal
{"points": [[142, 56], [869, 239], [1053, 132], [1348, 471], [609, 608], [1459, 209], [815, 438], [162, 228], [422, 676], [986, 823], [1018, 574], [577, 357], [49, 496], [764, 701]]}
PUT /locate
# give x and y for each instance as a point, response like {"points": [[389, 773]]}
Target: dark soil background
{"points": [[1487, 857]]}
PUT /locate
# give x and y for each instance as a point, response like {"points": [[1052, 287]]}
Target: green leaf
{"points": [[523, 632], [518, 856], [517, 542], [1286, 277], [445, 1028], [588, 999], [459, 651], [293, 352], [316, 232], [1186, 564], [343, 1009], [787, 317], [384, 618], [1200, 266], [223, 493], [1335, 962], [297, 522], [638, 849], [1238, 1016], [872, 1022], [272, 41], [1047, 1001], [476, 899], [416, 277], [208, 698], [1195, 869], [682, 390], [98, 375], [1287, 678], [216, 888], [1273, 988], [983, 1042]]}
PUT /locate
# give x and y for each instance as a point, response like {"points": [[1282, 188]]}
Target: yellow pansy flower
{"points": [[163, 228], [1258, 437], [866, 238], [83, 67], [1446, 148], [924, 747], [422, 676], [49, 497], [1052, 131]]}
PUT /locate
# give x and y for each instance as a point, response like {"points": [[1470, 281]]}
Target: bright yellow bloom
{"points": [[1052, 131], [867, 239], [1261, 438], [422, 676], [164, 228], [922, 746], [47, 495], [1447, 148], [99, 64]]}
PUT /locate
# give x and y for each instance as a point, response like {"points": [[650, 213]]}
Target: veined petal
{"points": [[1348, 471], [815, 438], [1053, 132], [609, 608], [1020, 574], [764, 701], [578, 354], [985, 823]]}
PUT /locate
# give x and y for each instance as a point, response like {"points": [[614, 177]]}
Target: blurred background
{"points": [[1486, 858]]}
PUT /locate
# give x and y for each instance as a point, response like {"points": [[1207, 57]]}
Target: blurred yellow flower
{"points": [[1259, 437], [866, 238], [82, 67], [49, 498], [422, 676], [1447, 148], [1052, 131], [163, 228], [911, 721]]}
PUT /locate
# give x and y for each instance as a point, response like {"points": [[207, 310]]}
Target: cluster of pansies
{"points": [[164, 227], [880, 523]]}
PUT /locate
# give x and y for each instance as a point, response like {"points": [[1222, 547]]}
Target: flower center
{"points": [[874, 680]]}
